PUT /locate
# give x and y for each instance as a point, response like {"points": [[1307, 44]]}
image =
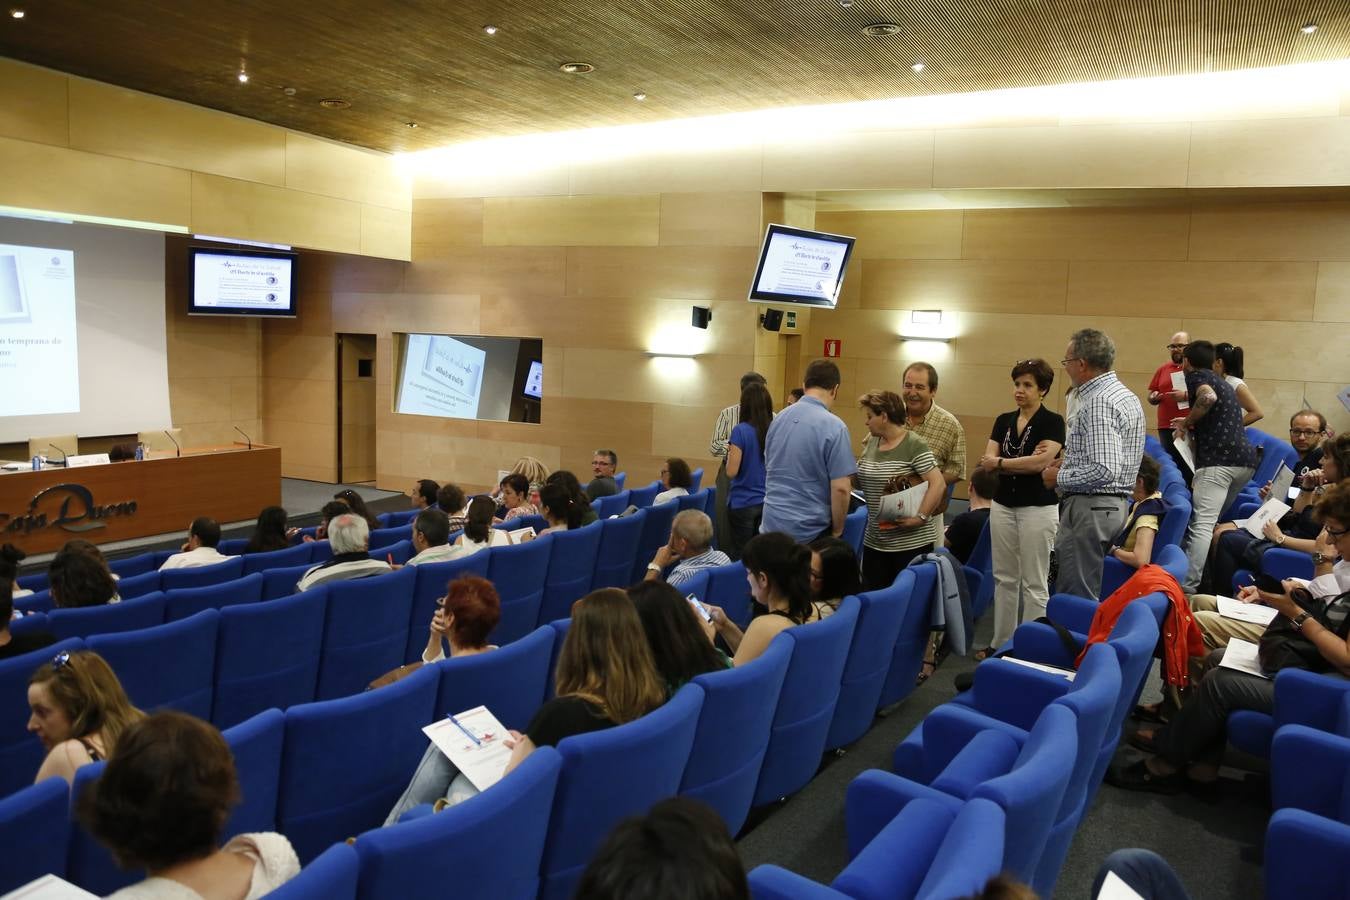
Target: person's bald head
{"points": [[1177, 344]]}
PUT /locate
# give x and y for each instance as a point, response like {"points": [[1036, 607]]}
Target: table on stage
{"points": [[41, 510]]}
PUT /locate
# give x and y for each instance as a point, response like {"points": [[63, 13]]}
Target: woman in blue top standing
{"points": [[745, 467]]}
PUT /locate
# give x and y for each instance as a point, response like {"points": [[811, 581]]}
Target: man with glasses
{"points": [[940, 430], [1308, 434], [1163, 394], [1096, 475], [603, 465]]}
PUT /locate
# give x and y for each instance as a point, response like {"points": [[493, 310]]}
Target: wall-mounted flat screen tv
{"points": [[534, 381], [800, 266], [229, 282]]}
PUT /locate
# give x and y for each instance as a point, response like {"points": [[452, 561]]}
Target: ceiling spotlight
{"points": [[639, 96], [881, 29], [917, 67], [288, 91], [335, 103], [243, 78], [1309, 28], [411, 124], [489, 29], [577, 68], [16, 14], [846, 4]]}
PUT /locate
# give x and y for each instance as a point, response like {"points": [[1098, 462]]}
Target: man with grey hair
{"points": [[690, 547], [349, 535], [1101, 459]]}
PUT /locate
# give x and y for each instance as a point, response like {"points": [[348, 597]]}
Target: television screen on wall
{"points": [[800, 266], [463, 376], [240, 282]]}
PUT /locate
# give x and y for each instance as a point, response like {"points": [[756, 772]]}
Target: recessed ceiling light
{"points": [[577, 68], [489, 29], [1309, 28], [639, 96], [16, 14], [411, 124], [846, 4], [881, 29], [335, 103], [288, 91], [243, 78], [917, 67]]}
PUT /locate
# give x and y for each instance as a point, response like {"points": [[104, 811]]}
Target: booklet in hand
{"points": [[901, 505], [475, 742], [1271, 511]]}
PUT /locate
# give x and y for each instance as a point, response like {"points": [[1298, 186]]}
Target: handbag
{"points": [[394, 676], [1283, 646]]}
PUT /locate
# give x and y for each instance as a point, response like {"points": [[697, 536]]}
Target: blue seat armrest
{"points": [[1040, 643], [1308, 770], [1251, 732], [875, 797], [1307, 857], [1013, 693], [987, 755], [776, 883], [942, 736], [1307, 698], [1073, 612]]}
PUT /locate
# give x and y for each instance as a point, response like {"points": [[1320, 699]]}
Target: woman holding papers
{"points": [[605, 677], [1311, 631], [1024, 515], [895, 459]]}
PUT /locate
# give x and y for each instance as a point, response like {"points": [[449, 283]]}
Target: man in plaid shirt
{"points": [[1101, 459]]}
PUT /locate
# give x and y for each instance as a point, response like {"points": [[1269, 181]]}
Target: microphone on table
{"points": [[64, 455], [246, 437], [178, 451]]}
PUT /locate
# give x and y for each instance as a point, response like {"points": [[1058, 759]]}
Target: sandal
{"points": [[986, 653], [1137, 777], [929, 667]]}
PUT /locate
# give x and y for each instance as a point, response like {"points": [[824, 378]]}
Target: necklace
{"points": [[1009, 450]]}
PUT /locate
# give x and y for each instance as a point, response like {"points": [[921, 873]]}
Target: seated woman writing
{"points": [[779, 572]]}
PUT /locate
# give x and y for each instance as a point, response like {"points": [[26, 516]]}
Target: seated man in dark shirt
{"points": [[964, 531], [604, 463]]}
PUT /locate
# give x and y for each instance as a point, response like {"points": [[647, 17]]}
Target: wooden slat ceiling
{"points": [[430, 62]]}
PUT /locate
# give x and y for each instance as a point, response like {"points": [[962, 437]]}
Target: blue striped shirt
{"points": [[1106, 440]]}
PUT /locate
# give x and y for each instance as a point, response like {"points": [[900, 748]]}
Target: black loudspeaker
{"points": [[701, 317], [772, 320]]}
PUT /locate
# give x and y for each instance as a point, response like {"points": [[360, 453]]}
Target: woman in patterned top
{"points": [[894, 458]]}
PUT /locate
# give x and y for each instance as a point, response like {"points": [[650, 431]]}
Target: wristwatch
{"points": [[924, 517], [653, 567], [1300, 619], [1319, 557]]}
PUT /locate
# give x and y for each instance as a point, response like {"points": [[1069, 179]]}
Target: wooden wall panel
{"points": [[446, 223], [385, 232], [317, 166], [686, 170], [1145, 155], [1273, 152], [1241, 290], [514, 271], [1333, 292], [934, 234], [1075, 233], [850, 161], [33, 105], [711, 219], [623, 220], [1275, 231], [687, 273], [973, 285], [228, 206]]}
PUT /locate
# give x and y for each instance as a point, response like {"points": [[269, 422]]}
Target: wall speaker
{"points": [[772, 319], [701, 317]]}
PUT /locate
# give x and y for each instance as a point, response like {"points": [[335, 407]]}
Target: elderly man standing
{"points": [[1101, 459], [1164, 394], [940, 430]]}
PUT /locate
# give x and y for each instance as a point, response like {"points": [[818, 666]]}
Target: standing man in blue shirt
{"points": [[809, 462]]}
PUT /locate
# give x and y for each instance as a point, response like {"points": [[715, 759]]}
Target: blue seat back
{"points": [[855, 525], [256, 745], [733, 733], [20, 752], [510, 680], [267, 655], [331, 876], [1275, 453], [642, 497], [869, 660], [345, 762], [428, 588], [982, 561], [139, 585], [232, 546], [492, 843], [88, 863], [167, 666], [728, 588], [320, 552], [278, 559], [33, 623], [395, 554], [395, 519], [281, 582], [383, 537], [559, 627], [618, 546], [519, 573], [611, 505], [111, 618], [655, 534], [34, 581], [806, 704], [130, 566], [538, 523], [35, 832], [1172, 528], [38, 601], [200, 576], [692, 500], [571, 567], [183, 602], [365, 630], [971, 852], [907, 659], [620, 478], [696, 584], [696, 480], [609, 775]]}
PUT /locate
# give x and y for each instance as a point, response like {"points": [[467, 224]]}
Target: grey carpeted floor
{"points": [[1202, 840]]}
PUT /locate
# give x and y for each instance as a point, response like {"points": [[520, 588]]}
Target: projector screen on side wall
{"points": [[800, 266], [460, 376], [82, 334]]}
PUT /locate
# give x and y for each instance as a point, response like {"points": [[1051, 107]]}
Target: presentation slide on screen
{"points": [[441, 377], [534, 381], [241, 282], [803, 266], [39, 355]]}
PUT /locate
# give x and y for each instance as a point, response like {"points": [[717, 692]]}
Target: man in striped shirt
{"points": [[1101, 459], [940, 430], [689, 548]]}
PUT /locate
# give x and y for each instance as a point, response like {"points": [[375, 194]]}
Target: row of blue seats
{"points": [[735, 738]]}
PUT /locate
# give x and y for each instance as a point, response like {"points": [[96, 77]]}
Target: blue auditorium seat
{"points": [[20, 753], [1027, 783], [1307, 857], [655, 534], [395, 519], [609, 775], [184, 602], [1169, 556], [487, 847], [38, 601], [696, 480], [89, 864], [1301, 698], [232, 546], [538, 523], [167, 666], [278, 559], [138, 585], [642, 497], [130, 566], [571, 567], [35, 831], [612, 505], [281, 582], [429, 588], [806, 704], [855, 525], [982, 561], [519, 573], [693, 500], [331, 876], [869, 660], [907, 660], [200, 576], [34, 581], [733, 733], [510, 681], [383, 537], [345, 762], [620, 478], [396, 554], [267, 655], [728, 589], [365, 631], [256, 745], [32, 623], [129, 615], [618, 546]]}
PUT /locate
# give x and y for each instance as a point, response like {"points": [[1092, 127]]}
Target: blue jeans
{"points": [[434, 778], [1147, 874]]}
